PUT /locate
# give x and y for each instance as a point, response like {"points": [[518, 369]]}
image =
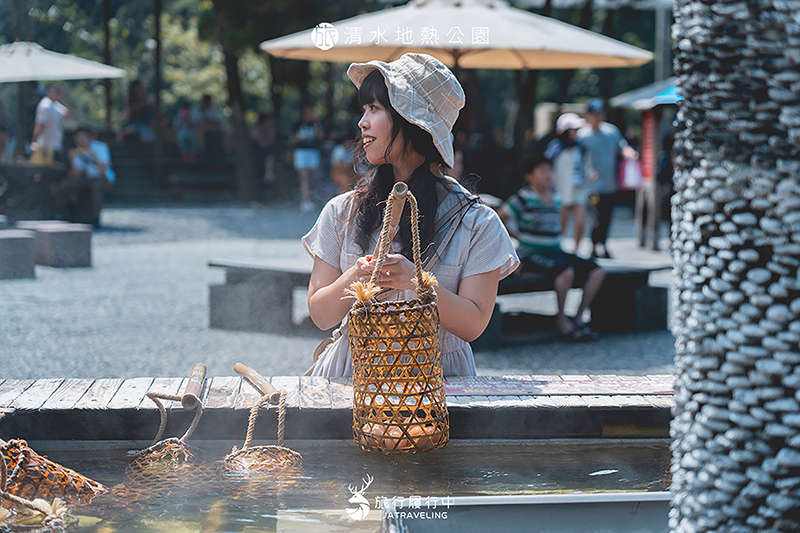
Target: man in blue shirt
{"points": [[604, 145]]}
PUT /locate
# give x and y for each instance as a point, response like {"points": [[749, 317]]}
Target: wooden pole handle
{"points": [[398, 198], [194, 389], [258, 381]]}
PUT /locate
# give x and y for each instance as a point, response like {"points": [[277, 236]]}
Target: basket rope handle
{"points": [[190, 400], [394, 209], [391, 219], [424, 282], [254, 411]]}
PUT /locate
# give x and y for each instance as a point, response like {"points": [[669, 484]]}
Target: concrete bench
{"points": [[3, 222], [17, 254], [258, 295], [61, 244], [625, 302]]}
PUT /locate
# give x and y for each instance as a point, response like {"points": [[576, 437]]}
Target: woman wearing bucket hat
{"points": [[409, 108]]}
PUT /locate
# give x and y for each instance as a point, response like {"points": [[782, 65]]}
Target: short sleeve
{"points": [[61, 109], [326, 239], [41, 114], [102, 152], [490, 246]]}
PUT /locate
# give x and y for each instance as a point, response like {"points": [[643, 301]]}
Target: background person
{"points": [[604, 145], [532, 215], [138, 123], [306, 155], [569, 171], [80, 196], [208, 121], [48, 130], [265, 139], [5, 144], [467, 262], [185, 134], [343, 173]]}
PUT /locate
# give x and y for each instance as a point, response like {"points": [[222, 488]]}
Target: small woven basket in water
{"points": [[398, 387], [32, 476], [266, 460], [171, 464]]}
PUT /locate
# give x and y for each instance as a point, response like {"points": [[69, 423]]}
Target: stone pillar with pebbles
{"points": [[736, 249]]}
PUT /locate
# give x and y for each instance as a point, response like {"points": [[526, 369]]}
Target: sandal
{"points": [[584, 328], [576, 335]]}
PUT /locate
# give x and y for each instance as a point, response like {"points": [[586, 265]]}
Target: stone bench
{"points": [[61, 244], [258, 295], [625, 302], [17, 254]]}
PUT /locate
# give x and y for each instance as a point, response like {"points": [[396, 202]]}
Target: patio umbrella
{"points": [[464, 33], [662, 92], [28, 61]]}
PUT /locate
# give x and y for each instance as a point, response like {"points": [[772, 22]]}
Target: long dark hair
{"points": [[376, 182]]}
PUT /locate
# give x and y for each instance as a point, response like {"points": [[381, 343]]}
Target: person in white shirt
{"points": [[48, 130], [208, 121], [80, 195]]}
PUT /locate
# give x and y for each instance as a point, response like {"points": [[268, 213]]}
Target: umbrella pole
{"points": [[107, 58], [157, 99]]}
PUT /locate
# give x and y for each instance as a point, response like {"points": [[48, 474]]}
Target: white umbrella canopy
{"points": [[27, 61], [486, 34]]}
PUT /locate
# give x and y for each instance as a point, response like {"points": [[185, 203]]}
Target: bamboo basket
{"points": [[398, 399], [171, 464]]}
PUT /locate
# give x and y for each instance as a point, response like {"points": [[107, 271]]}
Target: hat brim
{"points": [[440, 133]]}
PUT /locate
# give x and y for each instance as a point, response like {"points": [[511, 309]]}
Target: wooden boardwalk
{"points": [[498, 407]]}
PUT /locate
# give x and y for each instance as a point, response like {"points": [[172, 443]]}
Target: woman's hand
{"points": [[396, 272]]}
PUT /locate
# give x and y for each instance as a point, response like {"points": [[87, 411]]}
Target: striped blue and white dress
{"points": [[480, 244]]}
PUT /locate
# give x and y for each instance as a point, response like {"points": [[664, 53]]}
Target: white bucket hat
{"points": [[423, 91], [569, 121]]}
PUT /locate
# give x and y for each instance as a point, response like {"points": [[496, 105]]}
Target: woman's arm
{"points": [[464, 314], [327, 301], [467, 313]]}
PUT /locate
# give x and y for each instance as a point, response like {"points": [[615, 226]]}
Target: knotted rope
{"points": [[254, 412]]}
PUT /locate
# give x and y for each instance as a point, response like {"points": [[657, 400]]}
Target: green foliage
{"points": [[192, 67], [195, 34]]}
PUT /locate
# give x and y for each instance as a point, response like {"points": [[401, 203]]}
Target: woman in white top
{"points": [[409, 107], [569, 171]]}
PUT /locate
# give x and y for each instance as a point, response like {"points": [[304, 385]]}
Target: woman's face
{"points": [[376, 134]]}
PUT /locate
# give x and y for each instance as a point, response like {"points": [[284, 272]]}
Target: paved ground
{"points": [[142, 310]]}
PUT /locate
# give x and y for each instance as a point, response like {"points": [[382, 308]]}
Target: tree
{"points": [[239, 25]]}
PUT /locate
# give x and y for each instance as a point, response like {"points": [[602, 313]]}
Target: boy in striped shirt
{"points": [[532, 216]]}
